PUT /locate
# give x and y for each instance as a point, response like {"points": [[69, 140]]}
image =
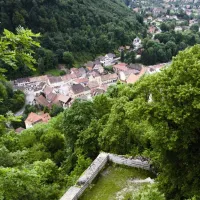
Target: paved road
{"points": [[29, 99]]}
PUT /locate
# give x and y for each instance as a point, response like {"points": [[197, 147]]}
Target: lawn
{"points": [[114, 183], [53, 72]]}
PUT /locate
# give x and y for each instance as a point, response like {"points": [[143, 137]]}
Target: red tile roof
{"points": [[41, 100], [34, 118], [121, 67], [109, 77], [133, 78], [81, 80], [54, 79], [48, 90]]}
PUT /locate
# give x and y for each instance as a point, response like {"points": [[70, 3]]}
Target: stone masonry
{"points": [[74, 192]]}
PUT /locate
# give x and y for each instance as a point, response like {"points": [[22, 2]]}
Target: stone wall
{"points": [[97, 165], [88, 176], [121, 160]]}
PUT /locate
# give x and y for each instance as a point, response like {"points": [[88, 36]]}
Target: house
{"points": [[99, 68], [93, 85], [123, 75], [81, 80], [152, 29], [79, 90], [38, 79], [79, 72], [94, 76], [64, 100], [108, 59], [55, 81], [109, 78], [42, 101], [120, 67], [133, 78], [97, 62], [21, 81], [51, 97], [97, 91], [39, 88], [34, 118], [89, 64], [137, 43], [68, 78], [135, 66], [155, 68], [47, 90]]}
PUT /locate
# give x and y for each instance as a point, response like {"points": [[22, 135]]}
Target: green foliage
{"points": [[81, 165], [164, 27], [26, 184], [68, 59], [194, 28], [55, 110], [53, 141], [10, 100], [76, 120], [130, 57], [17, 49], [149, 192], [168, 46]]}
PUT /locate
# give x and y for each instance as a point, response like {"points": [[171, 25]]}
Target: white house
{"points": [[108, 59], [137, 42]]}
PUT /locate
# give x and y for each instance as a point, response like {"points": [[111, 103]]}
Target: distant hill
{"points": [[78, 26]]}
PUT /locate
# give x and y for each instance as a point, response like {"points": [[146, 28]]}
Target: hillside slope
{"points": [[74, 25]]}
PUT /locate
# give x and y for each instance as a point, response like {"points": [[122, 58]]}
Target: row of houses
{"points": [[80, 83]]}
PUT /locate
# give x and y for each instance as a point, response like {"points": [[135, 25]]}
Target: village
{"points": [[183, 14], [81, 83]]}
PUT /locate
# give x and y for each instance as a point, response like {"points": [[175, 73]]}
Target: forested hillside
{"points": [[84, 27]]}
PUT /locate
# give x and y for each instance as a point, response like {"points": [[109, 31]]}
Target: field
{"points": [[115, 183]]}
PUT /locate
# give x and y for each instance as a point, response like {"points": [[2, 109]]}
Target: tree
{"points": [[68, 59], [174, 117], [17, 48], [164, 27], [194, 28], [53, 141], [76, 119], [130, 57], [55, 110], [172, 46], [122, 56]]}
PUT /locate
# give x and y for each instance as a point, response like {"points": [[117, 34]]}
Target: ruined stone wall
{"points": [[121, 160], [93, 170], [88, 176]]}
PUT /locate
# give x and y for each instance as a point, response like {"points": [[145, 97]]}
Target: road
{"points": [[29, 99]]}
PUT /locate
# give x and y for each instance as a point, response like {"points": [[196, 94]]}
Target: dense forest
{"points": [[158, 117], [85, 28]]}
